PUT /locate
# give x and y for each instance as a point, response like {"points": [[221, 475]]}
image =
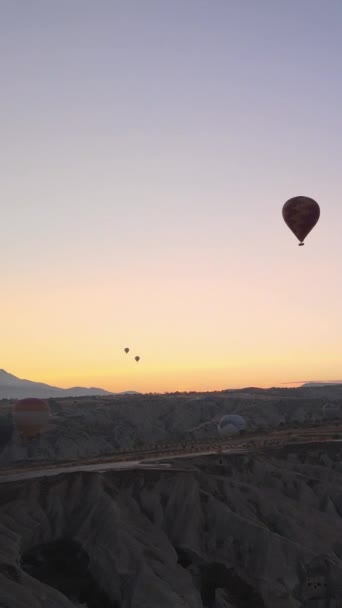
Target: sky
{"points": [[147, 149]]}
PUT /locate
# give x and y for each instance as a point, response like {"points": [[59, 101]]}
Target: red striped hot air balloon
{"points": [[31, 416], [301, 214]]}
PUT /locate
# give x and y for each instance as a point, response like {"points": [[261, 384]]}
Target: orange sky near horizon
{"points": [[214, 335], [145, 161]]}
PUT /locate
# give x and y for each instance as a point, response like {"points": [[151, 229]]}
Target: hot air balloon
{"points": [[31, 416], [126, 350], [301, 214], [137, 359], [231, 424]]}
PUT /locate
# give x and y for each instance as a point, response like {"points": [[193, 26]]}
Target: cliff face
{"points": [[231, 532]]}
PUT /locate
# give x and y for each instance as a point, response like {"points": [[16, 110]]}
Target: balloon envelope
{"points": [[137, 358], [31, 416], [126, 350], [301, 214], [231, 424]]}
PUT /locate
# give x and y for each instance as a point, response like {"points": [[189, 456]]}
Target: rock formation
{"points": [[91, 427], [239, 531]]}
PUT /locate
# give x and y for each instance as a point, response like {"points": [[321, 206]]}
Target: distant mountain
{"points": [[12, 387], [314, 384]]}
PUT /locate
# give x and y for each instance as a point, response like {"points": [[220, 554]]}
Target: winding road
{"points": [[153, 458]]}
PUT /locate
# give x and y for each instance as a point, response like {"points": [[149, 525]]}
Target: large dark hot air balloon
{"points": [[126, 350], [31, 416], [301, 214], [137, 358]]}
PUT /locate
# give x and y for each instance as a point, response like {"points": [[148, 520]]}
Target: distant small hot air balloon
{"points": [[31, 416], [301, 214], [137, 359], [126, 350]]}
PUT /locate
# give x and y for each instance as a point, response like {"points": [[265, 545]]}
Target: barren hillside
{"points": [[235, 532]]}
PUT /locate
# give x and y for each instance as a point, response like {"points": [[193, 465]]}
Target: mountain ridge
{"points": [[12, 387]]}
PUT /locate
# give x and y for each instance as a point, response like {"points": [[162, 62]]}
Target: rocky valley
{"points": [[259, 529], [96, 426], [253, 530]]}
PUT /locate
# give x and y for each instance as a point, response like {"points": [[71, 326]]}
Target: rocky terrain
{"points": [[90, 427], [243, 531]]}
